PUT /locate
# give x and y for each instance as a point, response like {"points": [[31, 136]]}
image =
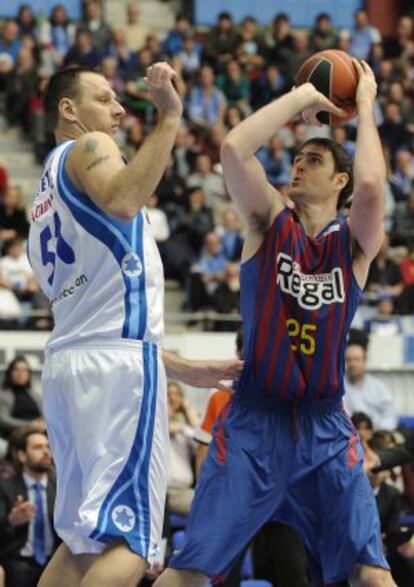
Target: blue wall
{"points": [[10, 7], [302, 12]]}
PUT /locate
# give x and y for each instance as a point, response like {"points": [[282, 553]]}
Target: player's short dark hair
{"points": [[343, 164], [63, 84]]}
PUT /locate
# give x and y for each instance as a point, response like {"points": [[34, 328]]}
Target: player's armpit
{"points": [[92, 164]]}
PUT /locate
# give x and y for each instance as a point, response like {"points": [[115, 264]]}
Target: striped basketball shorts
{"points": [[106, 413]]}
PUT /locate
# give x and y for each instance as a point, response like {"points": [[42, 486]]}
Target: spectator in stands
{"points": [[210, 182], [403, 228], [101, 33], [407, 272], [323, 36], [251, 47], [384, 277], [221, 42], [397, 95], [57, 35], [363, 35], [207, 273], [232, 117], [15, 271], [190, 57], [401, 180], [136, 32], [13, 218], [26, 20], [226, 298], [158, 221], [111, 70], [281, 41], [83, 52], [393, 131], [269, 85], [401, 45], [363, 425], [276, 161], [183, 420], [294, 59], [20, 85], [229, 231], [126, 60], [235, 86], [19, 402], [366, 393], [206, 105], [340, 137], [136, 96], [174, 41], [10, 42], [27, 537]]}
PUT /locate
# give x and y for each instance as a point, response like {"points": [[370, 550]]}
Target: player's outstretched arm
{"points": [[245, 178], [96, 165], [201, 373], [367, 211]]}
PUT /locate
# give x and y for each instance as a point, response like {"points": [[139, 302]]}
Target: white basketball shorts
{"points": [[106, 413]]}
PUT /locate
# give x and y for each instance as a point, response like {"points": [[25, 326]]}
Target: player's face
{"points": [[313, 175], [97, 107]]}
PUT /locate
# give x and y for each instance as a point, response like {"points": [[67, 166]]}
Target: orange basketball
{"points": [[333, 73]]}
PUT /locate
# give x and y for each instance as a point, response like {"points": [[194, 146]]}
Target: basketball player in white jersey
{"points": [[104, 380]]}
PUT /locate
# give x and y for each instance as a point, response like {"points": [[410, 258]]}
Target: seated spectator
{"points": [[26, 20], [206, 104], [27, 537], [174, 40], [82, 52], [101, 33], [57, 35], [10, 43], [276, 161], [401, 180], [125, 59], [20, 85], [269, 85], [135, 135], [406, 301], [400, 45], [339, 135], [15, 271], [363, 425], [402, 232], [393, 130], [183, 420], [384, 277], [210, 182], [251, 47], [207, 273], [281, 41], [235, 86], [232, 117], [158, 221], [172, 188], [366, 393], [229, 231], [323, 36], [363, 35], [136, 97], [226, 298], [190, 57], [396, 94], [13, 218], [19, 403], [292, 60], [188, 227], [220, 43], [136, 32]]}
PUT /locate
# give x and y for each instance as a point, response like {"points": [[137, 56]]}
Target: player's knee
{"points": [[376, 577]]}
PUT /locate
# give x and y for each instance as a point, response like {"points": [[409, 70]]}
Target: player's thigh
{"points": [[369, 576], [63, 570], [117, 566]]}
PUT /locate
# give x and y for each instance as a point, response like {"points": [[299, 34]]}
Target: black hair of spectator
{"points": [[7, 381], [224, 16], [362, 418], [343, 164], [322, 16], [55, 8], [358, 337], [21, 440], [11, 242], [381, 440], [281, 17], [63, 84], [247, 19]]}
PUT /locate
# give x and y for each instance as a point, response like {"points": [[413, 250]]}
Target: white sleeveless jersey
{"points": [[103, 277]]}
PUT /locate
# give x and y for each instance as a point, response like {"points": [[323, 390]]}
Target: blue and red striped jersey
{"points": [[298, 299]]}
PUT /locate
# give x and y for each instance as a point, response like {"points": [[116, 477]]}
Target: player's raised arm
{"points": [[367, 211], [246, 181], [95, 163]]}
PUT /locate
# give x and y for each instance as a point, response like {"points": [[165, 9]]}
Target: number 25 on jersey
{"points": [[60, 248]]}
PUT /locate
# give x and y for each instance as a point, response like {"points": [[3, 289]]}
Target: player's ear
{"points": [[67, 110], [341, 180]]}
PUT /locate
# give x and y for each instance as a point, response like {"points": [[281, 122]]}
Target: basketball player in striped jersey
{"points": [[104, 377], [285, 450]]}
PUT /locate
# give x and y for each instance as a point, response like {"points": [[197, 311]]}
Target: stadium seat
{"points": [[406, 422]]}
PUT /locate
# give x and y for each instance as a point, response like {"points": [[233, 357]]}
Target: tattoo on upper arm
{"points": [[97, 162], [90, 145], [260, 222]]}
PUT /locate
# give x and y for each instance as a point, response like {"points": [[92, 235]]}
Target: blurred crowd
{"points": [[223, 73]]}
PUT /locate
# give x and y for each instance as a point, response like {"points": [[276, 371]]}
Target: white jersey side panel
{"points": [[103, 277]]}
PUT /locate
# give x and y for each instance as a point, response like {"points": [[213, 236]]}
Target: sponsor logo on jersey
{"points": [[70, 289], [42, 208], [123, 517], [131, 265], [311, 291]]}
